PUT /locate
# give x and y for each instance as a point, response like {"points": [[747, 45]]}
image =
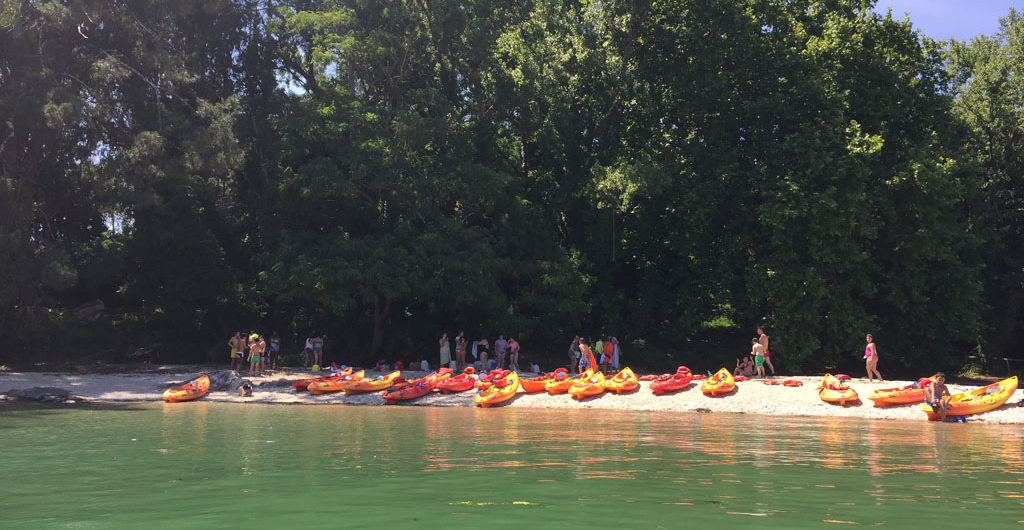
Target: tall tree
{"points": [[986, 76]]}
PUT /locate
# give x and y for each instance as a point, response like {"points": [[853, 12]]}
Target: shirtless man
{"points": [[256, 347], [762, 339], [235, 343], [934, 393], [757, 350]]}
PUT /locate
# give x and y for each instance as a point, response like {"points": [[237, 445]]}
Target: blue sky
{"points": [[960, 19]]}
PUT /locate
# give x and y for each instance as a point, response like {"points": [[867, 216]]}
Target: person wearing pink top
{"points": [[871, 359]]}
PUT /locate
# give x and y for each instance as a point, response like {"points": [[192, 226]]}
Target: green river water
{"points": [[222, 465]]}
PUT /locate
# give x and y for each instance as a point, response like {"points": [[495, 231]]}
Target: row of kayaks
{"points": [[836, 389], [499, 386]]}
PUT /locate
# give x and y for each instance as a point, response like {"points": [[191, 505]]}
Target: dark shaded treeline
{"points": [[384, 171]]}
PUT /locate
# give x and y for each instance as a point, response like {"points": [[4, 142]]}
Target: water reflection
{"points": [[778, 471]]}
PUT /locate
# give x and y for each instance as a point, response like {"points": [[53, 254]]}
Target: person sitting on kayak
{"points": [[934, 393]]}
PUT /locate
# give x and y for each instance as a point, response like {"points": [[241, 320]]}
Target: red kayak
{"points": [[459, 383], [417, 387], [677, 381], [301, 385], [485, 380]]}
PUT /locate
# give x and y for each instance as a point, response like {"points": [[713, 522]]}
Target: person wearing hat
{"points": [[256, 347]]}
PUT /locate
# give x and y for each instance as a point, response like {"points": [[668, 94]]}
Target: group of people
{"points": [[581, 355], [760, 356], [253, 350], [753, 364], [481, 350]]}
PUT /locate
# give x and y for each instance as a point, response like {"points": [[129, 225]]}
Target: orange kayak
{"points": [[718, 384], [834, 390], [561, 386], [334, 384], [913, 393], [459, 383], [504, 387], [417, 387], [624, 381], [301, 385], [194, 389], [979, 400], [538, 383], [376, 384], [586, 387], [671, 383]]}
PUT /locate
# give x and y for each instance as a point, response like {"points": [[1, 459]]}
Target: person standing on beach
{"points": [[500, 346], [256, 346], [615, 353], [587, 359], [275, 348], [762, 339], [460, 351], [871, 359], [309, 352], [513, 354], [574, 352], [235, 344], [483, 348], [446, 351], [757, 350], [318, 351]]}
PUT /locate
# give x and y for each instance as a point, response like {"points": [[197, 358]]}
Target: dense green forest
{"points": [[674, 173]]}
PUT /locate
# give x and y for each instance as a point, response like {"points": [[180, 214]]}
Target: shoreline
{"points": [[750, 397]]}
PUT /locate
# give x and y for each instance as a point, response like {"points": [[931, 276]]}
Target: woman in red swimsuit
{"points": [[871, 359]]}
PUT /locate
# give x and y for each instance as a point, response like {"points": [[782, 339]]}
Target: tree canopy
{"points": [[675, 174]]}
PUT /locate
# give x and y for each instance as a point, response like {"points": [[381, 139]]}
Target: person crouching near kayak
{"points": [[934, 394]]}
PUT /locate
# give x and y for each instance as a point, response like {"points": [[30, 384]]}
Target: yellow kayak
{"points": [[982, 399], [194, 389], [720, 383], [835, 390], [381, 382], [502, 390], [563, 386], [624, 381], [334, 385], [591, 386]]}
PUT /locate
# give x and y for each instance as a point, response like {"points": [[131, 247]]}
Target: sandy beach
{"points": [[750, 397]]}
